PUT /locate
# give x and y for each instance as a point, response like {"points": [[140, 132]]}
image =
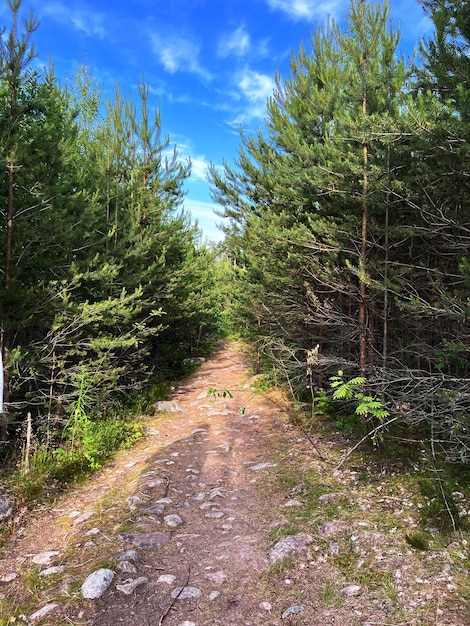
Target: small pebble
{"points": [[132, 585], [58, 569], [182, 593], [37, 616], [169, 579], [213, 595], [292, 610], [173, 520]]}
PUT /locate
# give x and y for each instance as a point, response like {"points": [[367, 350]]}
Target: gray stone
{"points": [[50, 571], [83, 517], [172, 406], [152, 432], [173, 520], [133, 555], [351, 591], [45, 558], [213, 595], [329, 497], [132, 585], [293, 544], [146, 540], [216, 493], [97, 583], [126, 567], [218, 578], [46, 610], [8, 578], [169, 579], [155, 509], [262, 466], [182, 593], [327, 529], [265, 606], [292, 610], [133, 501]]}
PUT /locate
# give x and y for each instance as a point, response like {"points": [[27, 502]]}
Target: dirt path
{"points": [[206, 461], [202, 501]]}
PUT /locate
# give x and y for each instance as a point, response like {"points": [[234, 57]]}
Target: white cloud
{"points": [[253, 89], [306, 9], [87, 21], [256, 87], [199, 168], [199, 163], [237, 43], [178, 54], [207, 220]]}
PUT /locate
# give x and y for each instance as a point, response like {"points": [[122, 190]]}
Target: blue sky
{"points": [[210, 64]]}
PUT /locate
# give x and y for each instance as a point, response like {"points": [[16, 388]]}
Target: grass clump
{"points": [[418, 539]]}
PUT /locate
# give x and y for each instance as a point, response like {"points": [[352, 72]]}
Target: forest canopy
{"points": [[106, 285], [350, 225]]}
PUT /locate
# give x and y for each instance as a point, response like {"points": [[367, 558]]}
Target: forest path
{"points": [[206, 459], [202, 501]]}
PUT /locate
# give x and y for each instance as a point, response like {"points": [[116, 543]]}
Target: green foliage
{"points": [[347, 216], [367, 407], [214, 393], [439, 507], [418, 540], [106, 286]]}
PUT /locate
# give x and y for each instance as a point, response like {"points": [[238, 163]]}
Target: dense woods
{"points": [[349, 226], [345, 260], [105, 284]]}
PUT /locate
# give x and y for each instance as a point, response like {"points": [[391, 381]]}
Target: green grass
{"points": [[330, 595]]}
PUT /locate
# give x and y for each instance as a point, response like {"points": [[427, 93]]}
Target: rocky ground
{"points": [[228, 515]]}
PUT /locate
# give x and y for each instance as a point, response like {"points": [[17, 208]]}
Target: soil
{"points": [[229, 463]]}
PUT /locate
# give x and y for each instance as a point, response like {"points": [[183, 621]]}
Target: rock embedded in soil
{"points": [[292, 610], [37, 616], [183, 593], [97, 583], [45, 558], [132, 585], [287, 546], [133, 555], [169, 579], [213, 596], [155, 509], [146, 540], [8, 578], [328, 529], [126, 567], [218, 578], [83, 517], [351, 591], [261, 466], [173, 520], [169, 405], [57, 569]]}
